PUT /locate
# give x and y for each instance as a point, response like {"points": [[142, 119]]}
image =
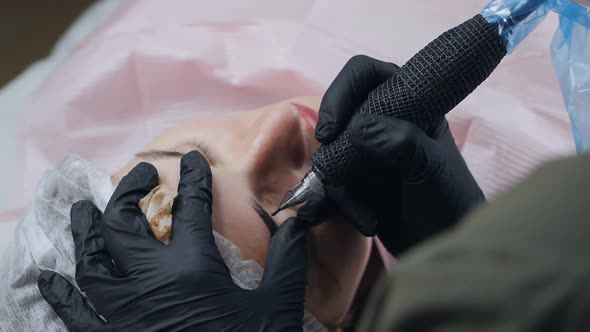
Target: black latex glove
{"points": [[184, 285], [415, 183]]}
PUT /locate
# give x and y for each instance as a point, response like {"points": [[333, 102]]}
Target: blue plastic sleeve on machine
{"points": [[515, 19], [570, 50]]}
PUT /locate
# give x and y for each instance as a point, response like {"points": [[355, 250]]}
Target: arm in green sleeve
{"points": [[518, 264]]}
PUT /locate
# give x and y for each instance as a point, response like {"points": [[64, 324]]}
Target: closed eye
{"points": [[265, 217]]}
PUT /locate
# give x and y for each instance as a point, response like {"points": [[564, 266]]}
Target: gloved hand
{"points": [[416, 183], [185, 285]]}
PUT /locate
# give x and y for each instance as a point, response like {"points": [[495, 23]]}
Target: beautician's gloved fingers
{"points": [[352, 208], [336, 201], [92, 259], [94, 266], [396, 143], [192, 230], [124, 227], [285, 275], [287, 256], [316, 210], [192, 207], [437, 189], [348, 91], [68, 303]]}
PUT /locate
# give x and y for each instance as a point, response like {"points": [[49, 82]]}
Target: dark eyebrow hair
{"points": [[158, 154], [200, 146], [266, 218], [162, 154]]}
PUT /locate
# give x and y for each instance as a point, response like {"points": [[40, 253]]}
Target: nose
{"points": [[279, 149]]}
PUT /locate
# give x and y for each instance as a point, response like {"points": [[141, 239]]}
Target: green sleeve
{"points": [[521, 263]]}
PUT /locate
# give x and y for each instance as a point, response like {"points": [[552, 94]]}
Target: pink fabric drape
{"points": [[156, 63]]}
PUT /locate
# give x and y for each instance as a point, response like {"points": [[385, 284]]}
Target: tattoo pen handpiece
{"points": [[428, 86]]}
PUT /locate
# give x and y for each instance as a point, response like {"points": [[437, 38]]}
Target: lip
{"points": [[309, 115]]}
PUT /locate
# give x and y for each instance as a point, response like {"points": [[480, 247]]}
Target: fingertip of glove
{"points": [[195, 161], [142, 171], [83, 214], [325, 131], [82, 205], [290, 222], [368, 227], [313, 211], [194, 158], [288, 229], [45, 278], [146, 168]]}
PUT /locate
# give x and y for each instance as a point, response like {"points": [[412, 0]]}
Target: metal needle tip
{"points": [[284, 203], [301, 192]]}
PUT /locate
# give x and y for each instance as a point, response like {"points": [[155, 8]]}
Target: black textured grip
{"points": [[428, 86]]}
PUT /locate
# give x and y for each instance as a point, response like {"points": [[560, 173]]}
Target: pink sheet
{"points": [[156, 63]]}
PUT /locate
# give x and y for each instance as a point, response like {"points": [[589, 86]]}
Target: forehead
{"points": [[225, 128], [221, 130]]}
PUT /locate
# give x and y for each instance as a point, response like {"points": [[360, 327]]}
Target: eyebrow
{"points": [[164, 154], [158, 154], [152, 155], [266, 218]]}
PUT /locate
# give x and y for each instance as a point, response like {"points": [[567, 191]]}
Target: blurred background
{"points": [[29, 28], [29, 31]]}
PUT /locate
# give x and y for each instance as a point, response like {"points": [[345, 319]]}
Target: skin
{"points": [[259, 155]]}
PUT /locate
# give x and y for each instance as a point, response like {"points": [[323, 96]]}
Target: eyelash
{"points": [[266, 218]]}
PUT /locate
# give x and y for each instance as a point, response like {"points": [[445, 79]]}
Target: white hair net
{"points": [[43, 240]]}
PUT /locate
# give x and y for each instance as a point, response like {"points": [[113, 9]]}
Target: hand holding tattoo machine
{"points": [[448, 69]]}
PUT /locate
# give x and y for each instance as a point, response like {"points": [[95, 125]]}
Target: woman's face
{"points": [[255, 157]]}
